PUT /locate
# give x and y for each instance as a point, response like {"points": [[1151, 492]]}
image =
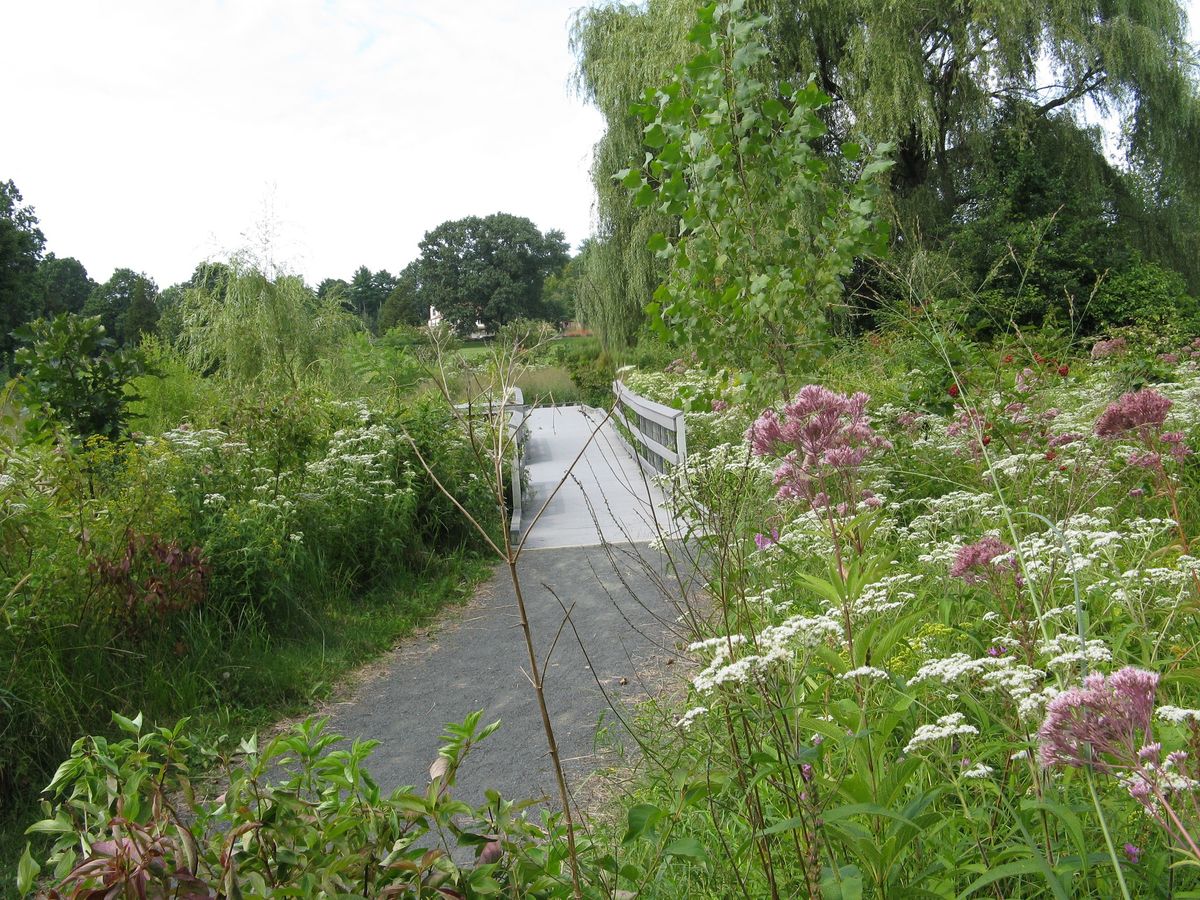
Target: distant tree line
{"points": [[474, 271]]}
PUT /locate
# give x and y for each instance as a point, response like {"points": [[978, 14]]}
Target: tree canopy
{"points": [[942, 82], [21, 244], [113, 300], [488, 270], [63, 285], [405, 304]]}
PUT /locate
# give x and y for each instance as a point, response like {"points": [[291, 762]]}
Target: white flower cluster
{"points": [[957, 666], [1067, 650], [952, 515], [688, 718], [864, 672], [1022, 684], [979, 770], [886, 594], [358, 467], [774, 644], [1177, 715], [765, 600], [1013, 466], [805, 535], [203, 443], [950, 725]]}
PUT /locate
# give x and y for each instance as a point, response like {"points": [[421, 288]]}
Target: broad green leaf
{"points": [[642, 817], [1031, 866], [27, 872], [686, 846]]}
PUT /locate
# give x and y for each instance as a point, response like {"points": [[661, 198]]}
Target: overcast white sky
{"points": [[156, 133]]}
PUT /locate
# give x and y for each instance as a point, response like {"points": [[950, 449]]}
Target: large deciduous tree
{"points": [[112, 301], [21, 244], [141, 318], [63, 285], [488, 270], [943, 81], [405, 305]]}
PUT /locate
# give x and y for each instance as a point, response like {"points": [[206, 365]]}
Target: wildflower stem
{"points": [[1108, 841]]}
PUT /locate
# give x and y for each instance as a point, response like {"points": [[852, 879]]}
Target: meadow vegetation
{"points": [[223, 546], [940, 365]]}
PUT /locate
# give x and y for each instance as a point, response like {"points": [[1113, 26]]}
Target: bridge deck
{"points": [[607, 499]]}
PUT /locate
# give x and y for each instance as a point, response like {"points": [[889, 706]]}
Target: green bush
{"points": [[1144, 293], [192, 549], [297, 817], [591, 369], [76, 373]]}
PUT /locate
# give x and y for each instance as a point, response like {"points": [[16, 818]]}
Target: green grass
{"points": [[236, 690]]}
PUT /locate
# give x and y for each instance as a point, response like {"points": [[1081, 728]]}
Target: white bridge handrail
{"points": [[659, 432], [517, 412]]}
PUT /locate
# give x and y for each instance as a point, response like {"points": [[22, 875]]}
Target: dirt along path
{"points": [[589, 553]]}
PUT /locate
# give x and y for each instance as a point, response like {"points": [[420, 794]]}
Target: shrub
{"points": [[74, 371], [299, 816], [1144, 293]]}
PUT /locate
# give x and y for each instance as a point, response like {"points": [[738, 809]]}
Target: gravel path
{"points": [[475, 659]]}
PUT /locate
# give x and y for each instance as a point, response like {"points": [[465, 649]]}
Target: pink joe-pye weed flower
{"points": [[983, 560], [1103, 723], [825, 436], [1142, 414], [1138, 411], [1102, 349], [763, 541]]}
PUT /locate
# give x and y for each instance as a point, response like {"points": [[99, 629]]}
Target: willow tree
{"points": [[936, 78], [251, 328], [622, 51]]}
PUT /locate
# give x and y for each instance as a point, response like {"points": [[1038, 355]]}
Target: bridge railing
{"points": [[517, 412], [658, 431]]}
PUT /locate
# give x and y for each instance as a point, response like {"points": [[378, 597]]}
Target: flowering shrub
{"points": [[173, 558], [977, 685]]}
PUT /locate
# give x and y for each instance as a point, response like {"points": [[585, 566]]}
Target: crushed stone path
{"points": [[591, 550]]}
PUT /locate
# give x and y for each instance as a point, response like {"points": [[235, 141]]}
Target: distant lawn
{"points": [[476, 351]]}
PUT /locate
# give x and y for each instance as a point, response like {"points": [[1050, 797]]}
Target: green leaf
{"points": [[784, 825], [1032, 866], [630, 178], [851, 151], [655, 136], [27, 872], [687, 846], [657, 242], [866, 809], [641, 818], [50, 826], [845, 884]]}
